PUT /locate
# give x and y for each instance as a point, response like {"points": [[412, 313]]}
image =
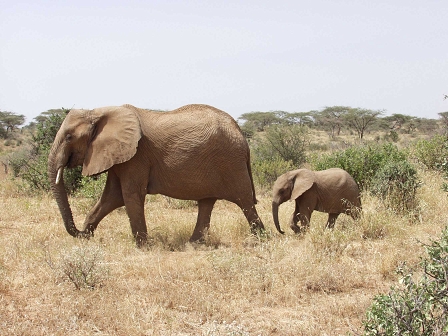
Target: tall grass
{"points": [[318, 283]]}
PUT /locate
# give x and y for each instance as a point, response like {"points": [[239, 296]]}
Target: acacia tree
{"points": [[360, 119], [332, 117], [299, 118], [397, 120], [259, 120], [10, 120]]}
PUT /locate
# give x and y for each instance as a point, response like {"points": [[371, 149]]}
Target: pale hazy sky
{"points": [[239, 56]]}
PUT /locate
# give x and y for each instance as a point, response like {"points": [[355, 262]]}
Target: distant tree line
{"points": [[336, 119], [332, 119]]}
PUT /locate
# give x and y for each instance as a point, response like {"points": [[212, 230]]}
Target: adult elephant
{"points": [[332, 191], [196, 152]]}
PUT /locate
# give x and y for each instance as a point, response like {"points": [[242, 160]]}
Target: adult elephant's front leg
{"points": [[110, 200], [205, 207]]}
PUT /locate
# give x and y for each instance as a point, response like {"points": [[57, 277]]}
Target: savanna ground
{"points": [[319, 283]]}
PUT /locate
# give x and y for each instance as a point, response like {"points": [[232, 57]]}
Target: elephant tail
{"points": [[249, 169]]}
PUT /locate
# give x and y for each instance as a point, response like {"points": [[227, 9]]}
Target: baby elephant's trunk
{"points": [[275, 216]]}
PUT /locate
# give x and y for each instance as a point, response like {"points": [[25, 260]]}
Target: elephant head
{"points": [[285, 188], [96, 139]]}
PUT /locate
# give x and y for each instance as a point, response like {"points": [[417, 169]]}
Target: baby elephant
{"points": [[332, 191]]}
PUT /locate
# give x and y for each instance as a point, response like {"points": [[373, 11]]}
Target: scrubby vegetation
{"points": [[415, 307], [383, 274], [30, 164]]}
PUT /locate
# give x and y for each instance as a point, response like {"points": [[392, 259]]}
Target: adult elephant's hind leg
{"points": [[331, 220], [134, 200], [205, 207], [255, 223]]}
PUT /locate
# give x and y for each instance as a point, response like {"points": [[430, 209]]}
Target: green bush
{"points": [[444, 167], [31, 165], [287, 143], [266, 172], [47, 129], [91, 187], [317, 147], [392, 136], [396, 185], [276, 151], [431, 152], [32, 168], [362, 161], [415, 307]]}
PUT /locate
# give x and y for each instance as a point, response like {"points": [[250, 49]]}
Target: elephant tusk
{"points": [[58, 176]]}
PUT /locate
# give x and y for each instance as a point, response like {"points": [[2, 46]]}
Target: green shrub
{"points": [[317, 147], [362, 162], [415, 307], [91, 187], [276, 151], [287, 143], [392, 136], [266, 172], [47, 128], [444, 167], [31, 165], [431, 152], [396, 185]]}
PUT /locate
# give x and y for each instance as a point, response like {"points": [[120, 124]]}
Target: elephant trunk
{"points": [[275, 206], [60, 194]]}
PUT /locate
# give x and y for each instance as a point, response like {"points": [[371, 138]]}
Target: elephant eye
{"points": [[68, 137]]}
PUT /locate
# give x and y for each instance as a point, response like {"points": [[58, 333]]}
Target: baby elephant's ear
{"points": [[303, 181], [114, 139]]}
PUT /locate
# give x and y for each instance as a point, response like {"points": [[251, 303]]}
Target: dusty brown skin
{"points": [[332, 191], [196, 152]]}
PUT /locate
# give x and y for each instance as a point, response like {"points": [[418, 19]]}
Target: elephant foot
{"points": [[85, 234], [141, 239], [199, 237], [200, 240], [295, 228], [257, 227]]}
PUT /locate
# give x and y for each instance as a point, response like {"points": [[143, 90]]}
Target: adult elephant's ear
{"points": [[115, 135], [303, 181]]}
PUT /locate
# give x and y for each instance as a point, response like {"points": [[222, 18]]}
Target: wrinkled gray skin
{"points": [[196, 152], [332, 191]]}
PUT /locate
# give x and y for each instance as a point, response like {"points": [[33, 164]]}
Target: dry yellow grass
{"points": [[317, 284]]}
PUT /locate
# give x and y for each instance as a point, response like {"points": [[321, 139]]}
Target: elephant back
{"points": [[198, 143], [338, 188]]}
